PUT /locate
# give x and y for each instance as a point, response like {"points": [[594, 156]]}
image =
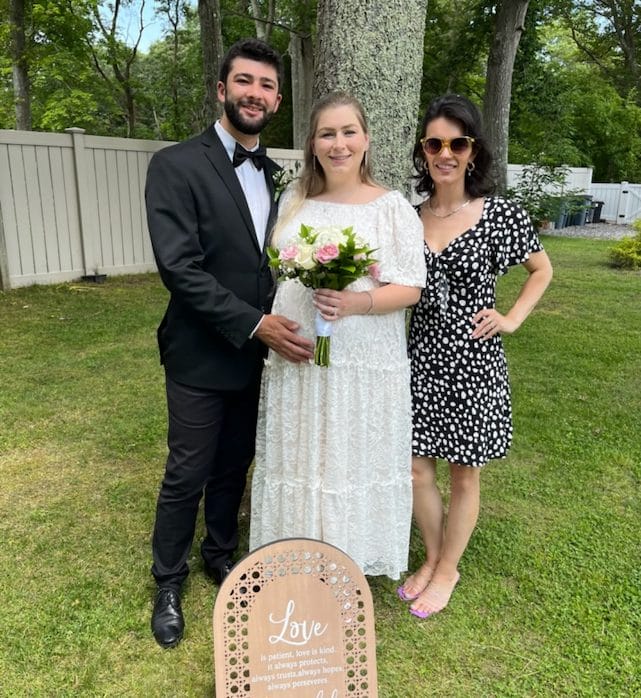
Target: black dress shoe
{"points": [[167, 622], [220, 571]]}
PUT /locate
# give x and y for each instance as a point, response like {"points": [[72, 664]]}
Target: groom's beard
{"points": [[250, 128]]}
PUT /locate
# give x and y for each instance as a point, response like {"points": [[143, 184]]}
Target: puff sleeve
{"points": [[515, 237], [400, 253]]}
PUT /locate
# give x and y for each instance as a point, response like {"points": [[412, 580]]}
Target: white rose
{"points": [[305, 257], [329, 235]]}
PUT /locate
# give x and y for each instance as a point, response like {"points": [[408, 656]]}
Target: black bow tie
{"points": [[258, 156]]}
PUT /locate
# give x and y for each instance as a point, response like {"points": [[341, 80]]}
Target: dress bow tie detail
{"points": [[258, 156], [438, 287]]}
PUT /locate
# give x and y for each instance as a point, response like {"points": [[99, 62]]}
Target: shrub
{"points": [[626, 254], [540, 191]]}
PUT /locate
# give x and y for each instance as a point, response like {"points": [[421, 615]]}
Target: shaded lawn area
{"points": [[549, 601]]}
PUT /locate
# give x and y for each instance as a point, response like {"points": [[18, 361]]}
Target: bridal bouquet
{"points": [[325, 257]]}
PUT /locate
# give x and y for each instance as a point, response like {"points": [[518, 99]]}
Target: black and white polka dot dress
{"points": [[460, 389]]}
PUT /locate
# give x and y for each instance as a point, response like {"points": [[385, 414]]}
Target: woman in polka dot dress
{"points": [[461, 394]]}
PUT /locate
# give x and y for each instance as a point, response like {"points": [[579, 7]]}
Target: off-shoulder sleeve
{"points": [[515, 237], [400, 254]]}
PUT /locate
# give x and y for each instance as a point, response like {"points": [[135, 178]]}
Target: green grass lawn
{"points": [[549, 601]]}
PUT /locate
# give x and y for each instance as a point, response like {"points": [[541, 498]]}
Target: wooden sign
{"points": [[295, 619]]}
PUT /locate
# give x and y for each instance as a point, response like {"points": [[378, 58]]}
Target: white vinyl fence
{"points": [[577, 179], [72, 206], [621, 202]]}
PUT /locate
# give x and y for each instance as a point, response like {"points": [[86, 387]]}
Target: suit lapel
{"points": [[217, 155], [270, 168]]}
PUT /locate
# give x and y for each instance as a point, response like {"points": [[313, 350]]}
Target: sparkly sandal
{"points": [[403, 595], [443, 599]]}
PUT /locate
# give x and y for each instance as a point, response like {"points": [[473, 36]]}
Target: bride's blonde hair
{"points": [[311, 181]]}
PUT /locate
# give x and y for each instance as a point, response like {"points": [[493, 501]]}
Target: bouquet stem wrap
{"points": [[323, 333]]}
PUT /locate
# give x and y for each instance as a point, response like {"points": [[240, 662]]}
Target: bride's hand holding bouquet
{"points": [[324, 258]]}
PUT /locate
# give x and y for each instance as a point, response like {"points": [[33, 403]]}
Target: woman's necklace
{"points": [[446, 215]]}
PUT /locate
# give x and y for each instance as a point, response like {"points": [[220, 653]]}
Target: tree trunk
{"points": [[21, 90], [263, 24], [211, 41], [374, 50], [498, 82], [301, 52], [119, 56]]}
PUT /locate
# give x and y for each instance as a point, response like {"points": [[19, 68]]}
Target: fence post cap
{"points": [[75, 129]]}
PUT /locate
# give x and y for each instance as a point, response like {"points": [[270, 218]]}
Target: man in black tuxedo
{"points": [[210, 204]]}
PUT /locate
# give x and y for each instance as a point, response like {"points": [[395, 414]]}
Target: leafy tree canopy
{"points": [[576, 95]]}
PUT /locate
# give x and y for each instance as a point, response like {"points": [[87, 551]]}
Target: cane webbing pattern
{"points": [[333, 580]]}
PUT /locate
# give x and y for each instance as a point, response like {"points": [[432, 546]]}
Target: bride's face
{"points": [[340, 142]]}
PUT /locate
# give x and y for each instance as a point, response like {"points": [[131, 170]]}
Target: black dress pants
{"points": [[211, 440]]}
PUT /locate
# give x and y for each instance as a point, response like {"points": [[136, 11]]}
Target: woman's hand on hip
{"points": [[489, 322]]}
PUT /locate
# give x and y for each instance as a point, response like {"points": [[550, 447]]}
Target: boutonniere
{"points": [[283, 178]]}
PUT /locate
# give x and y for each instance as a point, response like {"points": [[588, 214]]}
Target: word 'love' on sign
{"points": [[295, 618]]}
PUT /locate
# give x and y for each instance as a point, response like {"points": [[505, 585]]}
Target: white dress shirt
{"points": [[253, 184]]}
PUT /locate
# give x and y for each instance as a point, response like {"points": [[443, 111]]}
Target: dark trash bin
{"points": [[579, 207], [589, 214], [562, 213], [597, 207]]}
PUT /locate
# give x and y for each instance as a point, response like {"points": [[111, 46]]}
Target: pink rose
{"points": [[326, 253], [375, 271], [288, 253]]}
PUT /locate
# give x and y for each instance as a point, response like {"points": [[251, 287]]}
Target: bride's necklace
{"points": [[450, 213]]}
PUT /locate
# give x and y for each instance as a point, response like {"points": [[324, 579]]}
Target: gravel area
{"points": [[597, 231]]}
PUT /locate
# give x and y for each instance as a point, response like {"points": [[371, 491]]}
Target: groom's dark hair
{"points": [[254, 50]]}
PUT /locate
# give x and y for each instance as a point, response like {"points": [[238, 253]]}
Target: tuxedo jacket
{"points": [[209, 259]]}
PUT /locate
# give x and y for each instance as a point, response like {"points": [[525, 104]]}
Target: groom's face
{"points": [[250, 95]]}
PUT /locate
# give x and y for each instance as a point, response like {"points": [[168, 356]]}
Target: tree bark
{"points": [[374, 50], [211, 41], [301, 53], [263, 25], [508, 28], [20, 68]]}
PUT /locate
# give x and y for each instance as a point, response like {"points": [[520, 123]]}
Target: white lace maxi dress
{"points": [[333, 448]]}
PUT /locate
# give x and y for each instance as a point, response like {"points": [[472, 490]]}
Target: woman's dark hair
{"points": [[255, 50], [459, 109]]}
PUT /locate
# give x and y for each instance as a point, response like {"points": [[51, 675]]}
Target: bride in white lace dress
{"points": [[333, 448]]}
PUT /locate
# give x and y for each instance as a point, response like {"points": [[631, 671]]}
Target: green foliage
{"points": [[64, 88], [540, 191], [7, 111], [457, 37], [67, 93], [576, 99], [608, 127], [539, 98], [608, 35], [626, 254], [175, 111], [593, 125]]}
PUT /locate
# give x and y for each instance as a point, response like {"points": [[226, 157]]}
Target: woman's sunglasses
{"points": [[433, 146]]}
